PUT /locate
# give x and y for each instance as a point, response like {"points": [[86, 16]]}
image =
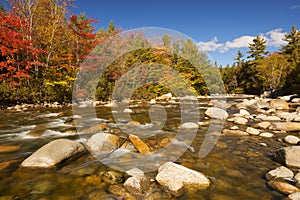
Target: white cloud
{"points": [[273, 38], [240, 42], [210, 45], [295, 7]]}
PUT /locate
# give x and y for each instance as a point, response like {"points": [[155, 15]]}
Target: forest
{"points": [[42, 45]]}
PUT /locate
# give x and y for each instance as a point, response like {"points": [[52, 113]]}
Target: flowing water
{"points": [[236, 166]]}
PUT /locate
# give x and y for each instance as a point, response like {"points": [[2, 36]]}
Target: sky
{"points": [[219, 27]]}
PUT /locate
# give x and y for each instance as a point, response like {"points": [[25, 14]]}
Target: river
{"points": [[236, 166]]}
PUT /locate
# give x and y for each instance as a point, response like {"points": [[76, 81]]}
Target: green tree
{"points": [[257, 49], [292, 48]]}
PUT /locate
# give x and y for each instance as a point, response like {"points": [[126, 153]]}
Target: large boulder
{"points": [[279, 104], [103, 142], [53, 153], [216, 113], [288, 156], [174, 178], [286, 126]]}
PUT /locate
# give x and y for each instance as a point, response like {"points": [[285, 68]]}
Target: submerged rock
{"points": [[53, 153], [217, 113], [174, 178], [288, 156], [9, 148], [189, 125], [112, 177]]}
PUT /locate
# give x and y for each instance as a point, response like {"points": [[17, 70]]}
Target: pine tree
{"points": [[292, 49], [257, 49], [239, 59]]}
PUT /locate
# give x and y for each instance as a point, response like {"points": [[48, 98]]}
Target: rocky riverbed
{"points": [[54, 153]]}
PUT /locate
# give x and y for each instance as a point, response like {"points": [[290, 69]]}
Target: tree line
{"points": [[43, 45], [277, 73]]}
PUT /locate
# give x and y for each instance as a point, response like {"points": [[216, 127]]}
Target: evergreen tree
{"points": [[239, 59], [292, 49], [257, 49], [2, 10], [111, 28]]}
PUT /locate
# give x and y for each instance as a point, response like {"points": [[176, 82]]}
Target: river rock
{"points": [[137, 184], [294, 196], [286, 126], [297, 177], [266, 135], [298, 110], [216, 113], [271, 118], [244, 112], [240, 120], [279, 104], [279, 172], [288, 156], [189, 125], [283, 187], [103, 142], [262, 125], [260, 104], [37, 131], [93, 129], [140, 145], [128, 146], [291, 139], [112, 177], [174, 178], [234, 132], [53, 153], [127, 110], [9, 148], [252, 131], [165, 97], [287, 116], [121, 192]]}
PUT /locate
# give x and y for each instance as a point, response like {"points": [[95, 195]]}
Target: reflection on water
{"points": [[236, 166]]}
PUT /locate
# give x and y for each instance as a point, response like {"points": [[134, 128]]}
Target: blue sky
{"points": [[220, 27]]}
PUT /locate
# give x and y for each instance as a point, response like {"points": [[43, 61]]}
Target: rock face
{"points": [[103, 142], [279, 172], [140, 145], [174, 178], [283, 187], [53, 153], [288, 156], [279, 104], [287, 126], [216, 113]]}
